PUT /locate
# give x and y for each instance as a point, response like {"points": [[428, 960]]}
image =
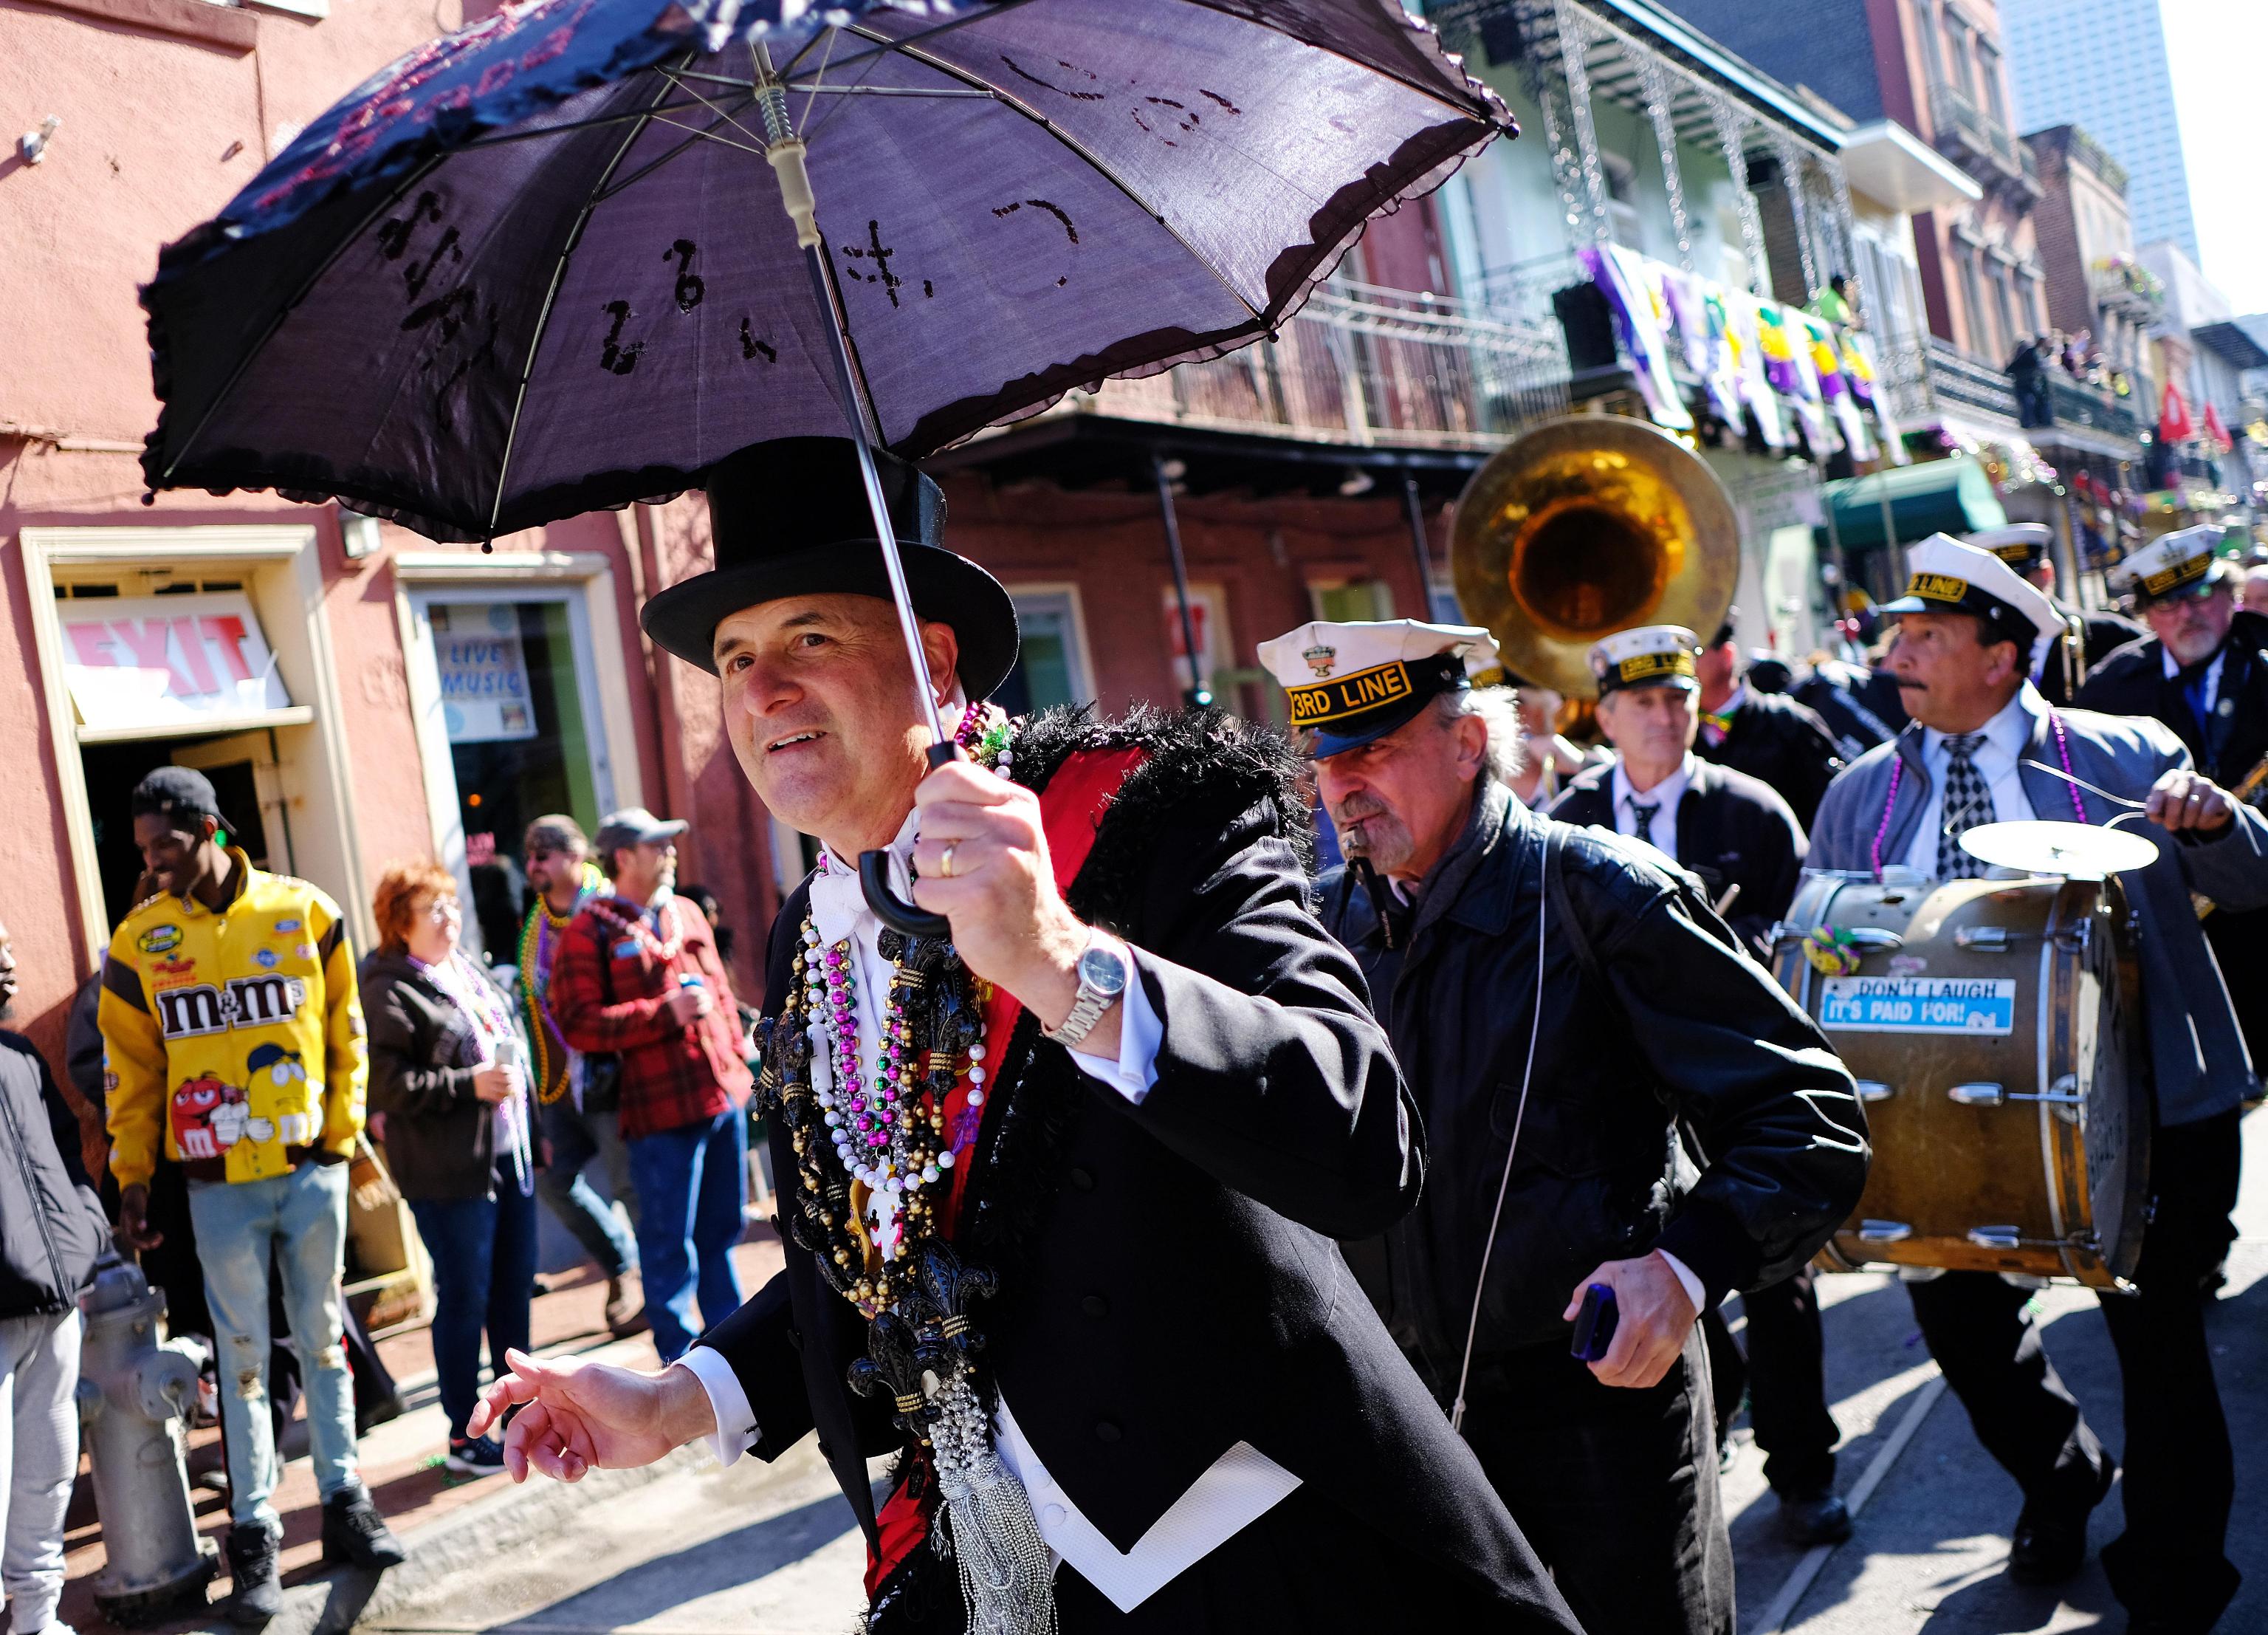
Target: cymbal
{"points": [[2072, 850]]}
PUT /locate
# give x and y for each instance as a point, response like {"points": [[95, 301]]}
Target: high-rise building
{"points": [[2102, 64]]}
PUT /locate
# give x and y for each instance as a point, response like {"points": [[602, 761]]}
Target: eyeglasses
{"points": [[444, 908]]}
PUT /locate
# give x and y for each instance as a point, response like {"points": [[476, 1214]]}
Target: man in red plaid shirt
{"points": [[637, 976]]}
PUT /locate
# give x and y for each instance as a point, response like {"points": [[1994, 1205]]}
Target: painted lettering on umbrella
{"points": [[690, 285], [753, 345], [613, 357], [1070, 228]]}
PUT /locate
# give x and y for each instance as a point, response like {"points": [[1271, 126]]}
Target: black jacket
{"points": [[2101, 635], [1168, 1282], [2133, 681], [440, 1138], [51, 1228], [1859, 706], [1780, 742], [1731, 831], [1675, 1024]]}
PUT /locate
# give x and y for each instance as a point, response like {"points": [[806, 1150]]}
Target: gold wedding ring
{"points": [[944, 863]]}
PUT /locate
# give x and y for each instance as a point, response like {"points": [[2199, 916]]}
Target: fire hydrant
{"points": [[133, 1397]]}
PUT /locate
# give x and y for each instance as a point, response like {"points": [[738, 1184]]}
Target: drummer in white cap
{"points": [[1983, 748]]}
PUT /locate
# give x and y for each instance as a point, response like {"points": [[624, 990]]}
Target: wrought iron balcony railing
{"points": [[1363, 366]]}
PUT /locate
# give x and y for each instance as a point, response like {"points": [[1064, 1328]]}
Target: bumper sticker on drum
{"points": [[1918, 1005]]}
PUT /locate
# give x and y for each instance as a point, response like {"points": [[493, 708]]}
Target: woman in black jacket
{"points": [[445, 1077], [51, 1232]]}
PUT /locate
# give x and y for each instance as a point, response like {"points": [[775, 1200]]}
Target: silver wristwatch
{"points": [[1103, 972]]}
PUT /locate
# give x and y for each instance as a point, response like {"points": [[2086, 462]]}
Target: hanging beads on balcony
{"points": [[1732, 122], [1575, 44], [1654, 82], [1789, 151]]}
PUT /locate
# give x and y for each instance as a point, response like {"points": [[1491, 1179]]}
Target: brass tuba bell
{"points": [[1586, 525]]}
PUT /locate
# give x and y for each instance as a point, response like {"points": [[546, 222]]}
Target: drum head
{"points": [[2074, 851]]}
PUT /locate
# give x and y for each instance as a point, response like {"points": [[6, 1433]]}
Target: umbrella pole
{"points": [[785, 153]]}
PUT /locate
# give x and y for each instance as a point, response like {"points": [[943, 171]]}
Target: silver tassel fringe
{"points": [[1007, 1573]]}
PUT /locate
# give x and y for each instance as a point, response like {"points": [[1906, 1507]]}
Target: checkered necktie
{"points": [[1967, 803], [1643, 812]]}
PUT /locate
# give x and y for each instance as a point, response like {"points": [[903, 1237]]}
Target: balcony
{"points": [[2127, 291], [1979, 144], [2048, 400], [1365, 366], [1957, 379]]}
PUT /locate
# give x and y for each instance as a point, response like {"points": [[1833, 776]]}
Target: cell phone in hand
{"points": [[1594, 1323]]}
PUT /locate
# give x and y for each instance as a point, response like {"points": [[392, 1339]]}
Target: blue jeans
{"points": [[483, 1253], [692, 1185], [300, 1220], [575, 1139]]}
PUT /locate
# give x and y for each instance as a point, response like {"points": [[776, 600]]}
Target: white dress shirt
{"points": [[1664, 797], [2008, 739], [1241, 1487]]}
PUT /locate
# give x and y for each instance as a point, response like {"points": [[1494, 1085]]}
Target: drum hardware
{"points": [[1954, 1022], [1586, 525], [1993, 1096]]}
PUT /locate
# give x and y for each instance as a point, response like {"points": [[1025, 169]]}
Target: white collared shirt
{"points": [[1241, 1487], [1663, 797], [2008, 739]]}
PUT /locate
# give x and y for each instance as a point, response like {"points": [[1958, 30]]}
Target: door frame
{"points": [[283, 572], [584, 583], [259, 749]]}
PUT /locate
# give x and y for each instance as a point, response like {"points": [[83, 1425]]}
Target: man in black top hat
{"points": [[1562, 999], [1062, 1191], [1769, 736]]}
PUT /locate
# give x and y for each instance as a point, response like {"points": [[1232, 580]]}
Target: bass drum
{"points": [[1994, 1027]]}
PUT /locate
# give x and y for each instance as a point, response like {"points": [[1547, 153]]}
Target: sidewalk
{"points": [[402, 1463]]}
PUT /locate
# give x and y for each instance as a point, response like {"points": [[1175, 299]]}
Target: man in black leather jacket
{"points": [[1648, 1014]]}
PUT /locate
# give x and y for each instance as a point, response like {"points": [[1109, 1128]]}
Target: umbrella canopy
{"points": [[542, 266]]}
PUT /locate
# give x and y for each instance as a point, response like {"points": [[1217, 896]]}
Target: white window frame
{"points": [[1065, 593], [584, 583]]}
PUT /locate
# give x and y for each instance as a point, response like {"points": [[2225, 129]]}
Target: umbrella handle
{"points": [[875, 878]]}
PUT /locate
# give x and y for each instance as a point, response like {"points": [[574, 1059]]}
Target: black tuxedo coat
{"points": [[2133, 681], [1782, 743], [1169, 1281], [1731, 830]]}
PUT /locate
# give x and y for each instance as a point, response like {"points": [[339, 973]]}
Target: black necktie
{"points": [[1967, 803], [1643, 812]]}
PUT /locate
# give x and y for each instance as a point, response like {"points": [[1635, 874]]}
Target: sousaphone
{"points": [[1585, 526]]}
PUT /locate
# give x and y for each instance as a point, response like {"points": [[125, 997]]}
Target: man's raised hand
{"points": [[575, 1417]]}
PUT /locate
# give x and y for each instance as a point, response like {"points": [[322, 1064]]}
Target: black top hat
{"points": [[790, 517]]}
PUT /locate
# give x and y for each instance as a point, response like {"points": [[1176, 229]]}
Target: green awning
{"points": [[1950, 496]]}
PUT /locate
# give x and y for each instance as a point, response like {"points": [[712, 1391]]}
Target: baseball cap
{"points": [[180, 794], [634, 826]]}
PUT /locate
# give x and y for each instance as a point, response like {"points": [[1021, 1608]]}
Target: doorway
{"points": [[246, 787]]}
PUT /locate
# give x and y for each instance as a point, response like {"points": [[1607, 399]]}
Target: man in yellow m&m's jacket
{"points": [[233, 1036]]}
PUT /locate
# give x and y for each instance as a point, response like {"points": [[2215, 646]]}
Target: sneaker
{"points": [[257, 1594], [475, 1456], [354, 1534], [625, 1310]]}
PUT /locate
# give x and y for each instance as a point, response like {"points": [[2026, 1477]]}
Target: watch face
{"points": [[1101, 968]]}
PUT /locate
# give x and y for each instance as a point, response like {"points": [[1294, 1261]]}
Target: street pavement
{"points": [[771, 1550]]}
